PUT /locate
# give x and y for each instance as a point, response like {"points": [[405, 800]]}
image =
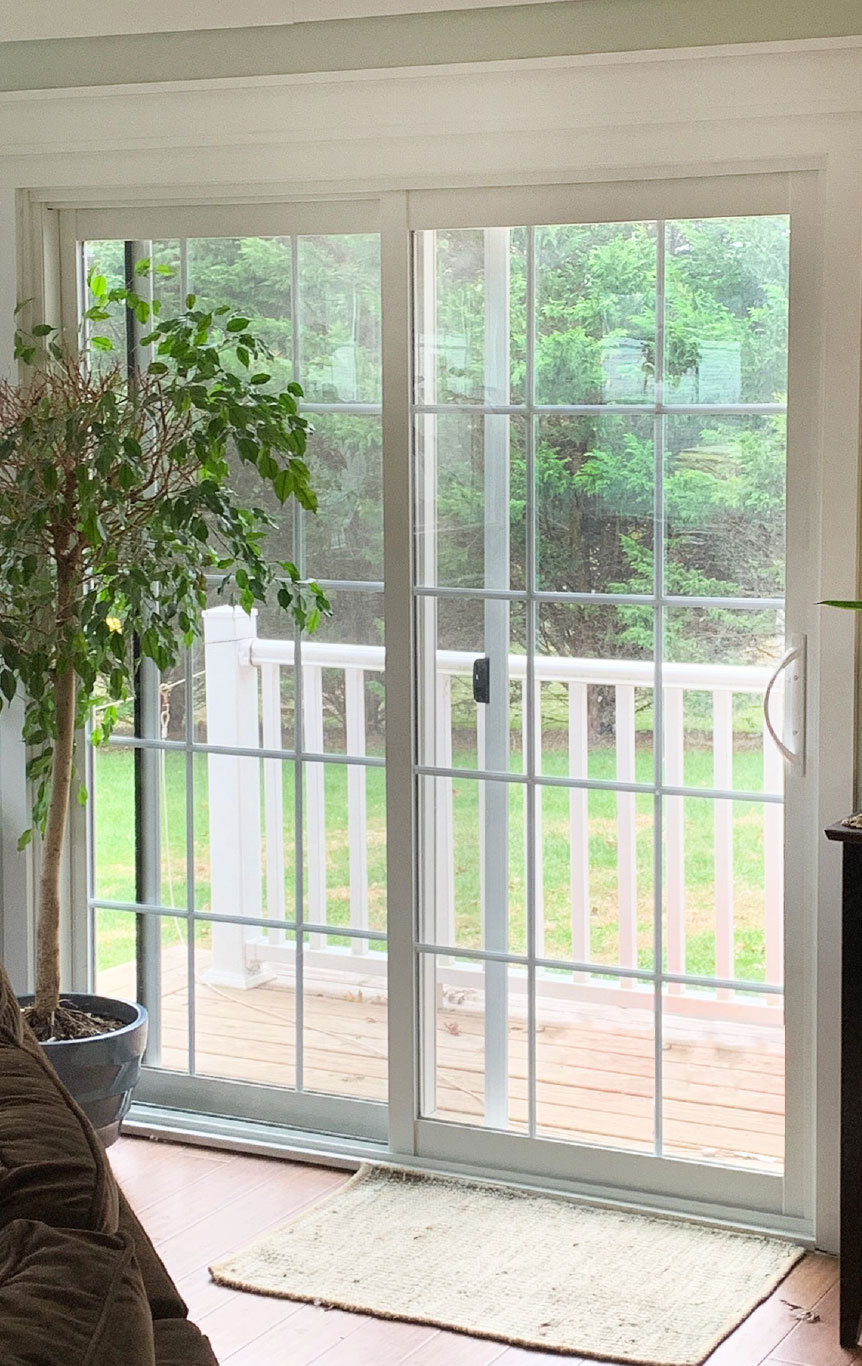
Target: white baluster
{"points": [[315, 800], [722, 759], [626, 830], [579, 826], [273, 798], [444, 842], [674, 762], [773, 860], [357, 809]]}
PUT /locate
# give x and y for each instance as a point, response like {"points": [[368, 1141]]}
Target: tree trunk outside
{"points": [[48, 927]]}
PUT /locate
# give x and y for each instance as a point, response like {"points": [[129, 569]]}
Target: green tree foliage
{"points": [[117, 510]]}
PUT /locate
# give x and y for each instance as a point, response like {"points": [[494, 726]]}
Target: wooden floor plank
{"points": [[816, 1343], [240, 1197], [769, 1324]]}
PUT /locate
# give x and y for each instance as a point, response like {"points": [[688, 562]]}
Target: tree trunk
{"points": [[48, 927]]}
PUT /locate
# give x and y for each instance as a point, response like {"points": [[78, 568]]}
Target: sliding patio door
{"points": [[500, 867], [610, 683]]}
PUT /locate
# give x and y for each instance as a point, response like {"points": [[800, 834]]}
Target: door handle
{"points": [[794, 711], [482, 680]]}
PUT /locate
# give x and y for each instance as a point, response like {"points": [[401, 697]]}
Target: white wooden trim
{"points": [[400, 742]]}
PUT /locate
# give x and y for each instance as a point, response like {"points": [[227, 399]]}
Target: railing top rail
{"points": [[548, 668]]}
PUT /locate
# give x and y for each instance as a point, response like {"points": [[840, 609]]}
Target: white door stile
{"points": [[400, 669]]}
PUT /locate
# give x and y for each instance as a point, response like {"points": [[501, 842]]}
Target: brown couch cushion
{"points": [[165, 1300], [180, 1343], [52, 1166], [69, 1298]]}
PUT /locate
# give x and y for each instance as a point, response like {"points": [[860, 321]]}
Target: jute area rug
{"points": [[532, 1270]]}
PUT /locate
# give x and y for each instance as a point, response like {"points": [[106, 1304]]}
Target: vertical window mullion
{"points": [[658, 699], [531, 793]]}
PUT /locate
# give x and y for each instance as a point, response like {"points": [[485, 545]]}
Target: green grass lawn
{"points": [[115, 862]]}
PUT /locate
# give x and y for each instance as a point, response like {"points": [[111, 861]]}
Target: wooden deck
{"points": [[723, 1090], [200, 1204]]}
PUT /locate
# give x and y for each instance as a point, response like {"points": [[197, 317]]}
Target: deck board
{"points": [[723, 1087]]}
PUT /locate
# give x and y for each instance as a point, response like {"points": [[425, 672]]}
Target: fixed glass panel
{"points": [[723, 1078], [459, 636], [726, 310], [595, 504], [245, 1030], [474, 888], [470, 525], [339, 318], [345, 1043], [595, 313], [344, 539], [238, 824], [466, 279], [594, 876], [724, 489], [120, 941], [595, 691], [595, 1060], [475, 1041]]}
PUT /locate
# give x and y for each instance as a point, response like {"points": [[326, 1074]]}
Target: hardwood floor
{"points": [[198, 1204]]}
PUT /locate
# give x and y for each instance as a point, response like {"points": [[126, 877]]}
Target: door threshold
{"points": [[167, 1125]]}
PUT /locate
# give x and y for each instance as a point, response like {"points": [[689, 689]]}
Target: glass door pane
{"points": [[600, 489], [260, 771]]}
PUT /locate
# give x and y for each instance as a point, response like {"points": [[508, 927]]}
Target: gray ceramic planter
{"points": [[101, 1073]]}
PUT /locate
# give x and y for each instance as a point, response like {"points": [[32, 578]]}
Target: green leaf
{"points": [[81, 795], [191, 300], [167, 271], [848, 605], [101, 343], [237, 324], [43, 330], [25, 838], [260, 378], [8, 684], [98, 285], [19, 308], [142, 267], [158, 367]]}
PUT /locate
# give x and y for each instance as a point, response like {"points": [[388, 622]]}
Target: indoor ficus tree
{"points": [[116, 508]]}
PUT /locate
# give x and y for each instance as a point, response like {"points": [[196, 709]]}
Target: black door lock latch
{"points": [[482, 680]]}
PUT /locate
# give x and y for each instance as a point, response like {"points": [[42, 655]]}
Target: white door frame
{"points": [[828, 202]]}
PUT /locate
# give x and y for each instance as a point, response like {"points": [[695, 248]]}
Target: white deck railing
{"points": [[243, 684]]}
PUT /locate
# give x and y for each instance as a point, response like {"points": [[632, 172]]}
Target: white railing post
{"points": [[674, 761], [357, 805], [234, 793], [627, 877]]}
